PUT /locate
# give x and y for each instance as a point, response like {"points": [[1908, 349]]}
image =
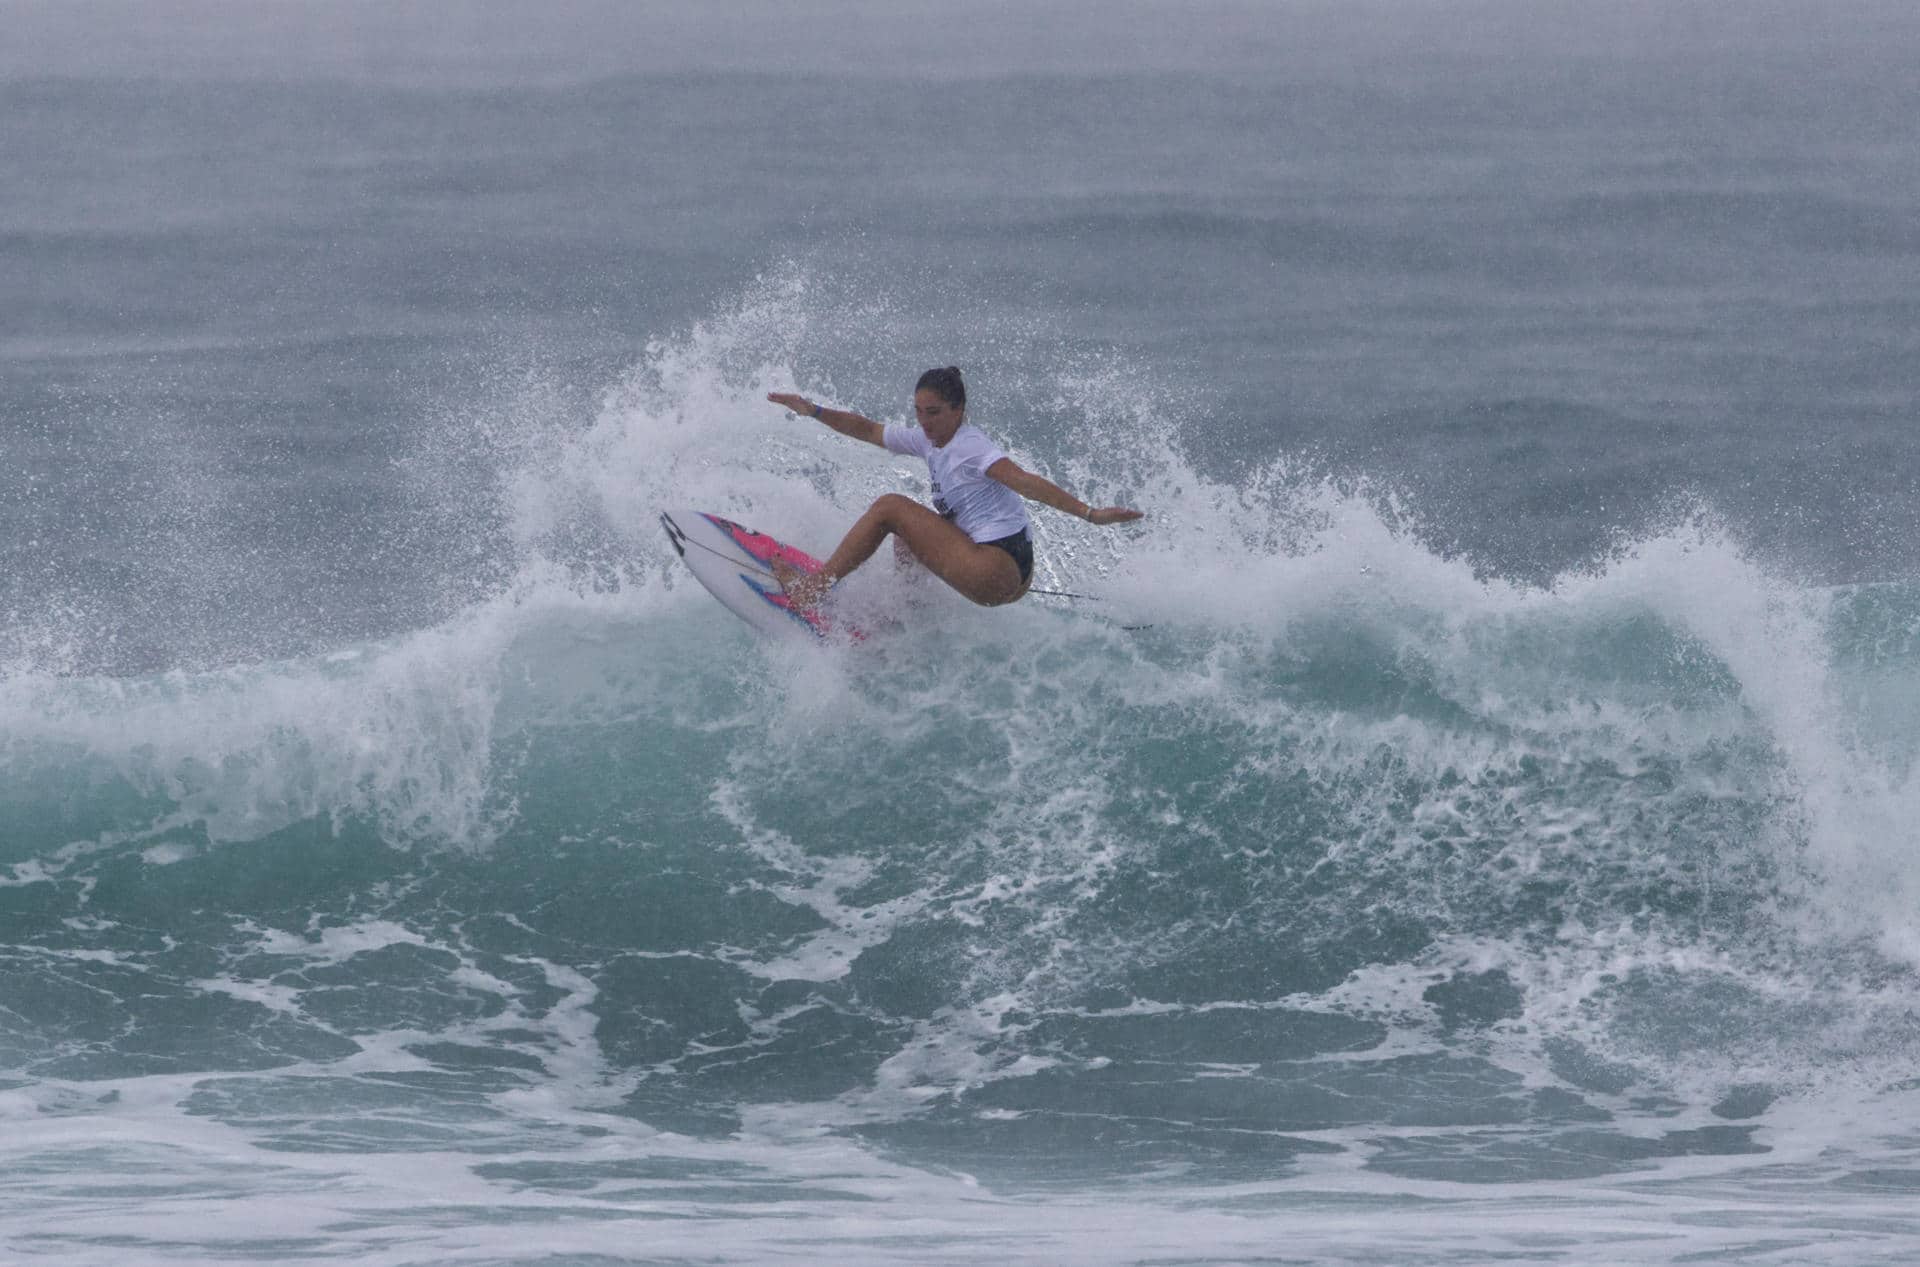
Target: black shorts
{"points": [[1020, 546]]}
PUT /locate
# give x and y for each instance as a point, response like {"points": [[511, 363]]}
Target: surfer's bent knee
{"points": [[890, 505]]}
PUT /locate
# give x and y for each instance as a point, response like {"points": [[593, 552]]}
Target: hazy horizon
{"points": [[509, 41]]}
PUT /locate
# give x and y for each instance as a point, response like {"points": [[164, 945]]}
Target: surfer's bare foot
{"points": [[804, 589]]}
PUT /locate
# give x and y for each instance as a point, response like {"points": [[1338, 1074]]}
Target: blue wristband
{"points": [[816, 409]]}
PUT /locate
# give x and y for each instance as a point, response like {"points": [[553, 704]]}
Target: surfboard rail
{"points": [[735, 564]]}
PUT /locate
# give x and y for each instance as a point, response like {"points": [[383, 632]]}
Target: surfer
{"points": [[975, 538]]}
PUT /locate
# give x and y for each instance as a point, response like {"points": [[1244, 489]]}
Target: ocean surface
{"points": [[1475, 817]]}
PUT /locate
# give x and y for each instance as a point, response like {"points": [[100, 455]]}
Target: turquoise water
{"points": [[1473, 818]]}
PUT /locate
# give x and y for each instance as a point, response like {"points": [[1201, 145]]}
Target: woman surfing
{"points": [[976, 536]]}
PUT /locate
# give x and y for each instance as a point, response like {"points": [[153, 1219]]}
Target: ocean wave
{"points": [[1301, 828]]}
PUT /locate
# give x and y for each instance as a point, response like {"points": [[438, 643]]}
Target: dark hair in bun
{"points": [[946, 384]]}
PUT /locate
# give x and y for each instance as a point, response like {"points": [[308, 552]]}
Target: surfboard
{"points": [[735, 563]]}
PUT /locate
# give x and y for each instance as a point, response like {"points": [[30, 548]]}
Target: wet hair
{"points": [[946, 384]]}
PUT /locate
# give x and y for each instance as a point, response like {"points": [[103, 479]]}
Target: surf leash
{"points": [[1085, 598]]}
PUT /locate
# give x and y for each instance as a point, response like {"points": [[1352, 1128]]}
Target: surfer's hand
{"points": [[792, 400], [1114, 515]]}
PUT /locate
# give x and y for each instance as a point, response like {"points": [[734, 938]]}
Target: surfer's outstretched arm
{"points": [[846, 422], [1043, 490]]}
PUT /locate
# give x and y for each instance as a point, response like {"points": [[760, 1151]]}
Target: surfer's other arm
{"points": [[844, 421], [1039, 488]]}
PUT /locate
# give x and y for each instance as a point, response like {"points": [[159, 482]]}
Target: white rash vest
{"points": [[981, 506]]}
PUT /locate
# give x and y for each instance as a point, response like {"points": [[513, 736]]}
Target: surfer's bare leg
{"points": [[982, 573]]}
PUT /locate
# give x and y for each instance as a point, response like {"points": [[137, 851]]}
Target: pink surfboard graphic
{"points": [[764, 549], [735, 563]]}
